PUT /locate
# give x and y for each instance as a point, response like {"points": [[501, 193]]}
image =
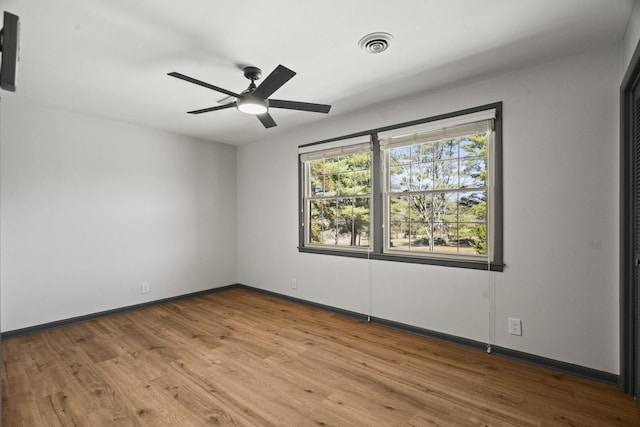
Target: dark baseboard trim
{"points": [[440, 336], [554, 365], [107, 313], [532, 359], [308, 303], [519, 356], [558, 366]]}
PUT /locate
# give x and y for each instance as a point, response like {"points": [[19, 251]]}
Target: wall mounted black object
{"points": [[9, 45]]}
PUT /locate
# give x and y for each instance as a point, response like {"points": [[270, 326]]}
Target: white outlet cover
{"points": [[515, 326]]}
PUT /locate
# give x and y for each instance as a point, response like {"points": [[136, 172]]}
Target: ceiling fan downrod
{"points": [[253, 74]]}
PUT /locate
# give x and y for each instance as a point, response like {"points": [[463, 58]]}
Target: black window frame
{"points": [[377, 251]]}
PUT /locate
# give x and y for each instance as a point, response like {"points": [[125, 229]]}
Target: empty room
{"points": [[432, 219]]}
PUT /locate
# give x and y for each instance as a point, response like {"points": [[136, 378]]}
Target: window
{"points": [[436, 190], [337, 196], [427, 191]]}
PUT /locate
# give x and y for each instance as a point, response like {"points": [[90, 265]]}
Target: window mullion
{"points": [[377, 211]]}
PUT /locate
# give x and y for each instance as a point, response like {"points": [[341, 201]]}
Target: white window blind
{"points": [[334, 149], [454, 127]]}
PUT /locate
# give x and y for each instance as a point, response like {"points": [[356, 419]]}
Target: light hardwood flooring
{"points": [[238, 357]]}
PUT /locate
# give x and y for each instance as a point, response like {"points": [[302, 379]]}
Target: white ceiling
{"points": [[110, 58]]}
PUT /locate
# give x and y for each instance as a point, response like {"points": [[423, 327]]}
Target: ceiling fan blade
{"points": [[266, 120], [201, 83], [302, 106], [274, 81], [219, 107]]}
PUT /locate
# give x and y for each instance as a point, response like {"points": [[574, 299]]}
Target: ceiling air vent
{"points": [[375, 42]]}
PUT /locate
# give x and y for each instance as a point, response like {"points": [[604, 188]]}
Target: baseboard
{"points": [[106, 313], [558, 366], [532, 359], [440, 336], [308, 303]]}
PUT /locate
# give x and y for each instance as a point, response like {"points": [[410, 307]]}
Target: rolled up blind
{"points": [[334, 148], [453, 127]]}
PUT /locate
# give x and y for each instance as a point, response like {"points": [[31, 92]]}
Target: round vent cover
{"points": [[375, 42]]}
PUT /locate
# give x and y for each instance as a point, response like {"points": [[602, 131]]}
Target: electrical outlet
{"points": [[145, 287], [294, 283], [515, 326]]}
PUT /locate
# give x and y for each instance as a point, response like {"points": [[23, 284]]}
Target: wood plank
{"points": [[241, 358]]}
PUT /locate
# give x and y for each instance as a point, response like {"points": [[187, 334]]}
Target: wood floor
{"points": [[241, 358]]}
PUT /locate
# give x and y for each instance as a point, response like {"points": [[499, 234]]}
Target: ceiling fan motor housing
{"points": [[252, 73]]}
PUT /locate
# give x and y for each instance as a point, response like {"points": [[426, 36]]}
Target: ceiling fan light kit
{"points": [[255, 99], [251, 105]]}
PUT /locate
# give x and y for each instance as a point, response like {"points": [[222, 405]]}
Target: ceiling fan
{"points": [[255, 99]]}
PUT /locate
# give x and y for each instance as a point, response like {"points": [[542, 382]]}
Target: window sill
{"points": [[444, 262]]}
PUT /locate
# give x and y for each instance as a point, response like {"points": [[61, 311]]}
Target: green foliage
{"points": [[434, 172], [480, 245], [344, 183], [440, 199], [316, 237]]}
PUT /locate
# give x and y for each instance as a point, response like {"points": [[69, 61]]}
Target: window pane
{"points": [[421, 176], [446, 222], [445, 218], [421, 208], [472, 206], [399, 178], [331, 184], [473, 238], [361, 161], [331, 165], [473, 146], [361, 222], [420, 233], [352, 183], [344, 175], [399, 221], [473, 172], [346, 185], [362, 182], [445, 174], [399, 236], [339, 218], [398, 209], [316, 178], [445, 237], [424, 222], [446, 149], [345, 163], [352, 222], [317, 189], [423, 152], [448, 206], [400, 155], [343, 221], [321, 214]]}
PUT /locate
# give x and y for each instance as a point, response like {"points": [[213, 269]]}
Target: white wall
{"points": [[631, 37], [560, 219], [92, 208]]}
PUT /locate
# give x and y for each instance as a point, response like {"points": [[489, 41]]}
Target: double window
{"points": [[427, 191]]}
